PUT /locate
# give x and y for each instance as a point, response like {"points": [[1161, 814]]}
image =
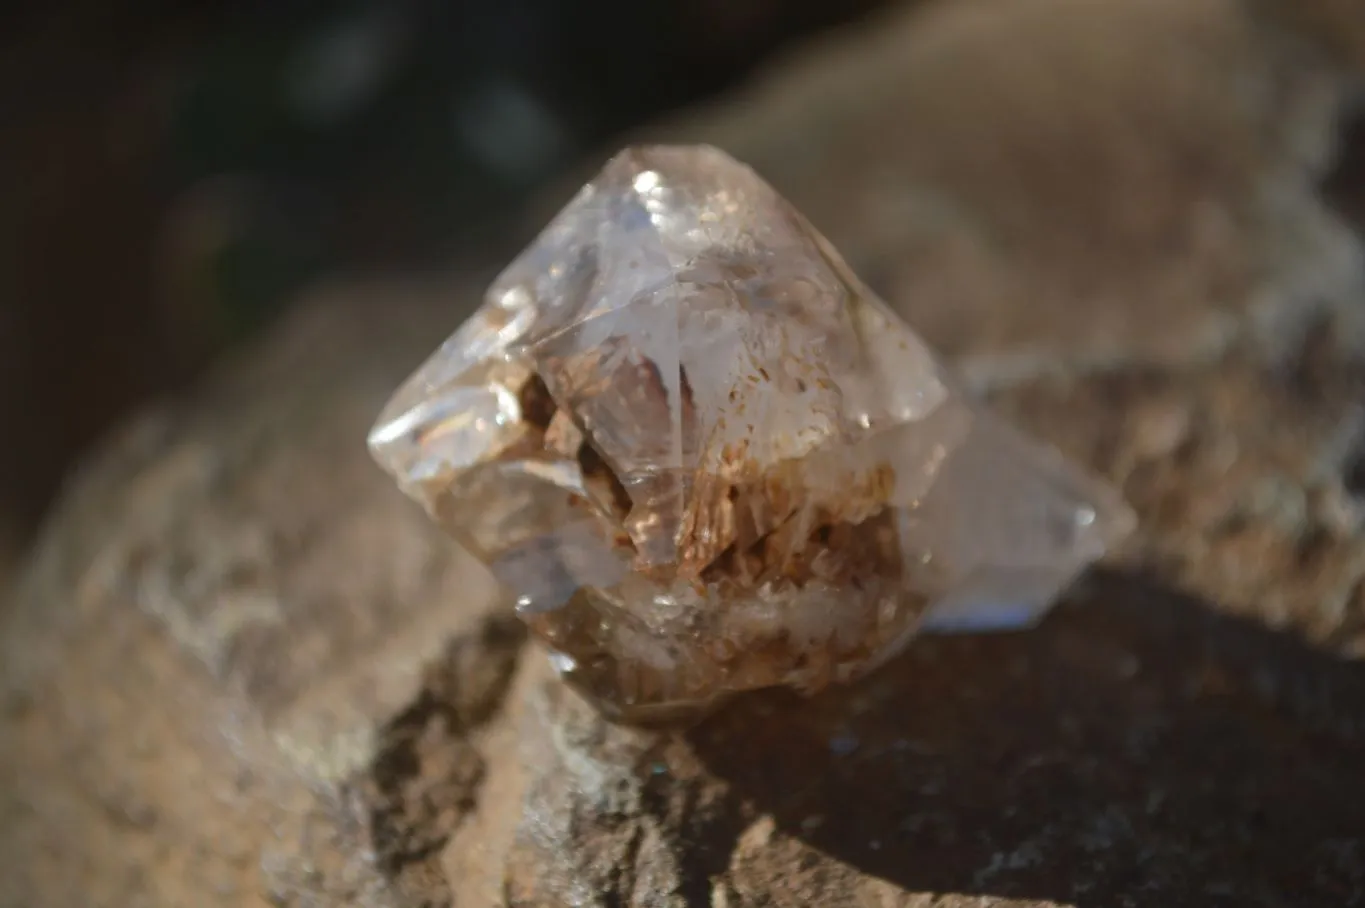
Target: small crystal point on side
{"points": [[704, 457]]}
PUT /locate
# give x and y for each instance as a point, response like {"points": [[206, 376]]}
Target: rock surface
{"points": [[240, 670]]}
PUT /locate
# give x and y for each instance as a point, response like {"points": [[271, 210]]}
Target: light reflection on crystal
{"points": [[704, 457]]}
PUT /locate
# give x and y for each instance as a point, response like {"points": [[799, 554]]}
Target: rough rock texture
{"points": [[240, 670]]}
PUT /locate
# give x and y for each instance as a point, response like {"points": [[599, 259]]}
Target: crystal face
{"points": [[704, 457]]}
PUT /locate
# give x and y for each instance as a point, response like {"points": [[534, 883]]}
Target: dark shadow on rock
{"points": [[426, 773], [1138, 749]]}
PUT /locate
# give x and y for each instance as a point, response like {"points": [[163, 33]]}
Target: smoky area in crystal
{"points": [[703, 457]]}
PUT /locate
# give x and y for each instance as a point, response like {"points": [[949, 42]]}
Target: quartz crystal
{"points": [[703, 457]]}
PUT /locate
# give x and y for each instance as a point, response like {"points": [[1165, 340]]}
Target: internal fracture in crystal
{"points": [[704, 457]]}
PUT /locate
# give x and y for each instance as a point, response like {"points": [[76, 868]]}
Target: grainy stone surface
{"points": [[239, 670]]}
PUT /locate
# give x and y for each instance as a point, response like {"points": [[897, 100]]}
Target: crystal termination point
{"points": [[704, 457]]}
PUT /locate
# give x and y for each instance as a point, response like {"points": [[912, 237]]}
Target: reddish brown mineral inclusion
{"points": [[703, 457]]}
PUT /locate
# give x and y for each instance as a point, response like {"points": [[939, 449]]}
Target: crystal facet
{"points": [[704, 457]]}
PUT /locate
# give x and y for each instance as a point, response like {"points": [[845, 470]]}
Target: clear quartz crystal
{"points": [[703, 457]]}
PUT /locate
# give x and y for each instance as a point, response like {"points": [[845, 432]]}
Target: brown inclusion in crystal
{"points": [[832, 551]]}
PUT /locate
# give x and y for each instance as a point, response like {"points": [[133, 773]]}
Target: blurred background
{"points": [[175, 172]]}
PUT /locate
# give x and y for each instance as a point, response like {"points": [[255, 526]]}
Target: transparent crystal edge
{"points": [[1054, 485]]}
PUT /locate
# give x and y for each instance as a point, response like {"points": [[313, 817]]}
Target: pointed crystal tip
{"points": [[703, 457]]}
